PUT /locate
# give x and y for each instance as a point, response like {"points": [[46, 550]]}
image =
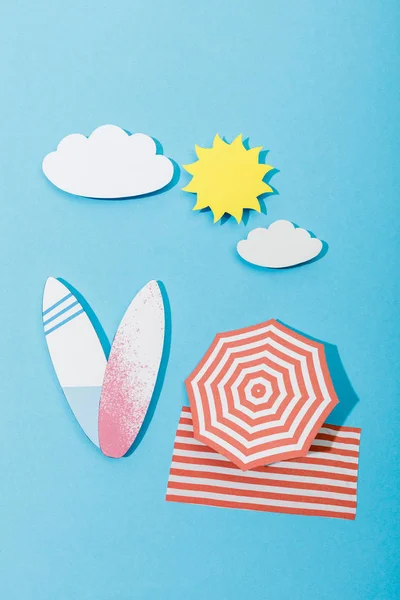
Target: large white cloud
{"points": [[279, 245], [110, 163]]}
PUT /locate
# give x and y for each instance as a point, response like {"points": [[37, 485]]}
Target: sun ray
{"points": [[237, 213], [202, 202], [190, 187], [219, 142], [263, 172], [238, 141], [253, 204], [217, 214], [265, 188], [201, 152], [253, 151], [228, 178], [192, 167]]}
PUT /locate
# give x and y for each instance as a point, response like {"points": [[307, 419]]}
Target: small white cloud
{"points": [[110, 163], [280, 245]]}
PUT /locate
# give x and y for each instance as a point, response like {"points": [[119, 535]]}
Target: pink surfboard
{"points": [[131, 371]]}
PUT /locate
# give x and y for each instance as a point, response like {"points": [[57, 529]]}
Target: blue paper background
{"points": [[317, 84]]}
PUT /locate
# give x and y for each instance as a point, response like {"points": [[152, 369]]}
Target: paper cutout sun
{"points": [[228, 178]]}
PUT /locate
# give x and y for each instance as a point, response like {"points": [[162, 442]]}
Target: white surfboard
{"points": [[131, 371], [76, 352]]}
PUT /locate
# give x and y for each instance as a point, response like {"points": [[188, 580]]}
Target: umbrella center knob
{"points": [[258, 390]]}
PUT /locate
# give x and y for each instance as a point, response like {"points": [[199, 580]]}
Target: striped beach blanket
{"points": [[323, 483]]}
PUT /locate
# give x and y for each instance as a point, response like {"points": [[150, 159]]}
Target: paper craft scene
{"points": [[201, 299]]}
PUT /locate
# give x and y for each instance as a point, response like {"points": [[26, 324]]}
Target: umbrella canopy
{"points": [[260, 394]]}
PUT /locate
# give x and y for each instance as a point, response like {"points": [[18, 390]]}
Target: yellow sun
{"points": [[227, 178]]}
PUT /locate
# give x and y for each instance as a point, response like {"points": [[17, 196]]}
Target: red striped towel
{"points": [[323, 483]]}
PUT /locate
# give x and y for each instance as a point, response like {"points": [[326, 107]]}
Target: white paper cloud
{"points": [[110, 163], [280, 245]]}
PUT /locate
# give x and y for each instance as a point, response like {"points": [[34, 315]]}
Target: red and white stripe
{"points": [[323, 483], [296, 394]]}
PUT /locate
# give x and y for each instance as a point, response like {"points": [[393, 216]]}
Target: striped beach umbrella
{"points": [[260, 394]]}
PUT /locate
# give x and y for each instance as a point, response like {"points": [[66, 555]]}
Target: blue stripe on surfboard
{"points": [[56, 304], [64, 322], [61, 312]]}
